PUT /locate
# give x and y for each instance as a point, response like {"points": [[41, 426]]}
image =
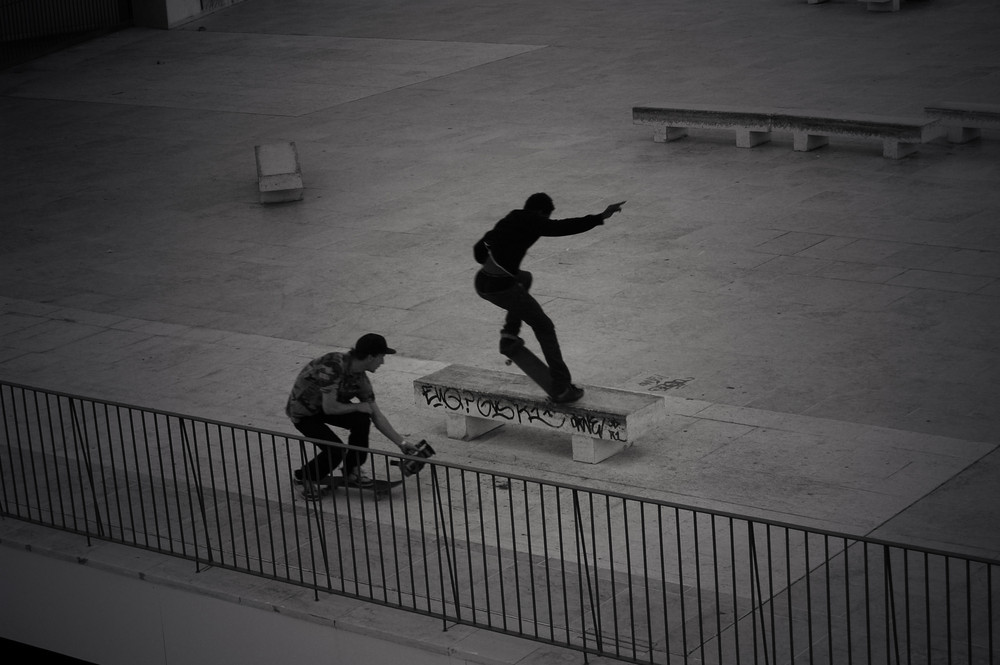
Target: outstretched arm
{"points": [[383, 425]]}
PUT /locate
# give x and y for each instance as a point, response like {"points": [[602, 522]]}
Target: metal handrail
{"points": [[601, 572]]}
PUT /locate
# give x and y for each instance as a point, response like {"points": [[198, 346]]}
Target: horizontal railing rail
{"points": [[600, 572]]}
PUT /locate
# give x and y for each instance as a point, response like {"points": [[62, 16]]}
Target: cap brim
{"points": [[388, 350]]}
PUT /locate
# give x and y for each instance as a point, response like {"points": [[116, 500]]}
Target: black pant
{"points": [[511, 294], [328, 457]]}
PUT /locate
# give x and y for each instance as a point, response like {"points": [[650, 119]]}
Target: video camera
{"points": [[412, 466]]}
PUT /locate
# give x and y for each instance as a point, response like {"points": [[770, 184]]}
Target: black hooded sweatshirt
{"points": [[509, 240]]}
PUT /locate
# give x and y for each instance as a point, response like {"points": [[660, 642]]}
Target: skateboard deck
{"points": [[379, 487], [536, 370]]}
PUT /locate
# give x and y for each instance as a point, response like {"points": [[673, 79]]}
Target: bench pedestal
{"points": [[475, 401]]}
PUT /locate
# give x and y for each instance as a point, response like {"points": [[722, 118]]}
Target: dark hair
{"points": [[539, 203]]}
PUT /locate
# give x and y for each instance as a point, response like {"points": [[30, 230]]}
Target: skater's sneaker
{"points": [[510, 343], [297, 476], [358, 477], [571, 394]]}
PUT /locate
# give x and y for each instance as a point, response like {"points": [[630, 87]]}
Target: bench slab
{"points": [[964, 121], [476, 401], [810, 129], [279, 177]]}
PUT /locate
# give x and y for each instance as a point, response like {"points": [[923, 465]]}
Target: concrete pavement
{"points": [[824, 325]]}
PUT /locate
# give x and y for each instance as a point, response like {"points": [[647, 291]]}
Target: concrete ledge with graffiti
{"points": [[475, 401]]}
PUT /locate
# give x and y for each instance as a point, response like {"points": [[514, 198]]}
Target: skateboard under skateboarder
{"points": [[502, 282]]}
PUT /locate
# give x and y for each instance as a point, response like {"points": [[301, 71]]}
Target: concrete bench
{"points": [[964, 122], [900, 136], [279, 178], [809, 129], [475, 401], [753, 126]]}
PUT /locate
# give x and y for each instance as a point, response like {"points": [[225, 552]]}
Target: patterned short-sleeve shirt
{"points": [[326, 374]]}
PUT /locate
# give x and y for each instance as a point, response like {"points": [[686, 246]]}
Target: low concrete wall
{"points": [[99, 616]]}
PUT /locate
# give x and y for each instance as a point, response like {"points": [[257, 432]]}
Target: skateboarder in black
{"points": [[502, 282], [334, 390]]}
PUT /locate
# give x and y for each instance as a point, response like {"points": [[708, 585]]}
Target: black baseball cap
{"points": [[371, 344]]}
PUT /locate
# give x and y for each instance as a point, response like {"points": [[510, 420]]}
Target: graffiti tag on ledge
{"points": [[499, 408]]}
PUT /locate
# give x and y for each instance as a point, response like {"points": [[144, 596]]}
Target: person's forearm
{"points": [[383, 425]]}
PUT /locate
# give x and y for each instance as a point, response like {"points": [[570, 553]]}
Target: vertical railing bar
{"points": [[545, 560], [562, 564], [482, 539], [45, 467], [583, 567], [809, 597], [106, 521], [81, 446], [55, 462], [442, 539], [968, 608], [890, 607], [628, 577], [163, 484], [827, 564], [530, 559], [5, 508], [114, 474], [663, 577], [906, 607], [770, 592], [788, 593], [395, 539], [595, 607], [228, 495], [927, 603], [125, 474], [423, 538], [698, 584], [500, 568], [847, 604], [141, 486], [736, 609], [947, 601], [868, 602], [409, 539], [250, 468], [517, 566], [452, 550], [645, 576], [468, 548], [193, 479], [680, 583], [715, 580]]}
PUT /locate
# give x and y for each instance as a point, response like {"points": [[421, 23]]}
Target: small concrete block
{"points": [[467, 428], [591, 451], [279, 177], [746, 138], [804, 142], [963, 134], [664, 134], [895, 149]]}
